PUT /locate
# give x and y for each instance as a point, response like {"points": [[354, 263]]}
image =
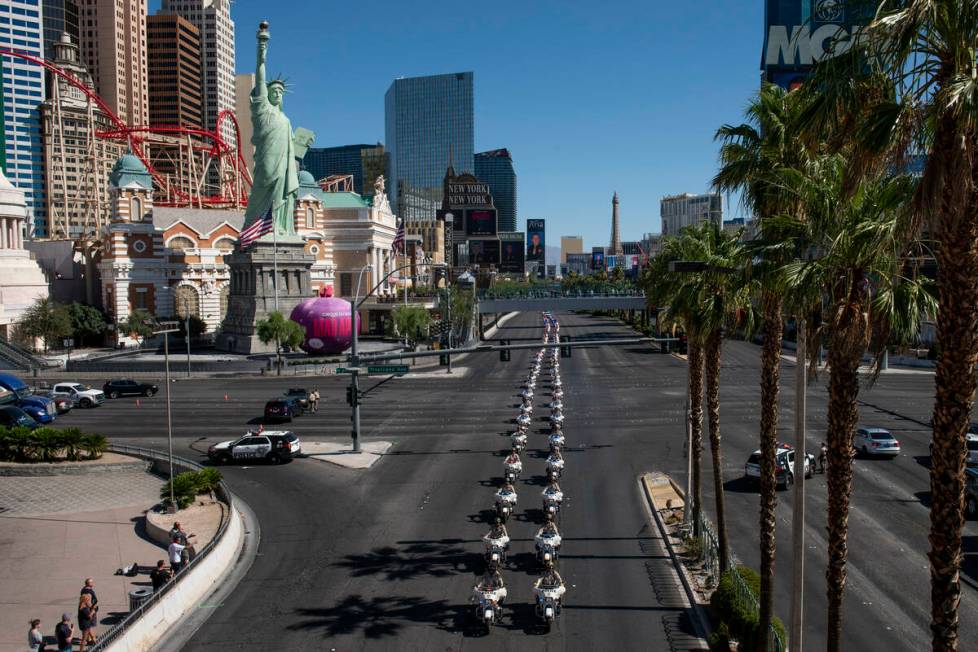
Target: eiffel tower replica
{"points": [[615, 249]]}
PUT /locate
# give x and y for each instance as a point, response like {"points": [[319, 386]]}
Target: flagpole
{"points": [[404, 261]]}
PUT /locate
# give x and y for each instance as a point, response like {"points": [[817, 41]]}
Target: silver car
{"points": [[875, 441]]}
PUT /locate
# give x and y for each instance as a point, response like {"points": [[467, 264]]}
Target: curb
{"points": [[699, 616]]}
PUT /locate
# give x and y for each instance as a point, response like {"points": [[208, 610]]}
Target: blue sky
{"points": [[589, 97]]}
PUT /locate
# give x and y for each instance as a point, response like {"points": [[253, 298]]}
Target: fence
{"points": [[222, 492]]}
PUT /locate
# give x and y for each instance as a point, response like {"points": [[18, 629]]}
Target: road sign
{"points": [[350, 370], [389, 369]]}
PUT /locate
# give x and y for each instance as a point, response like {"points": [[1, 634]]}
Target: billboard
{"points": [[799, 33], [536, 241], [484, 252], [457, 217], [597, 260], [512, 250], [480, 221]]}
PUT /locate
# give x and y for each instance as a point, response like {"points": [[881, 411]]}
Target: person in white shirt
{"points": [[176, 555]]}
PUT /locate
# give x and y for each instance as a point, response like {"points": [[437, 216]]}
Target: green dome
{"points": [[308, 183], [130, 170]]}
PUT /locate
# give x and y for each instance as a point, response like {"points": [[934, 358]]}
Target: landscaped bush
{"points": [[737, 617], [188, 484], [49, 445]]}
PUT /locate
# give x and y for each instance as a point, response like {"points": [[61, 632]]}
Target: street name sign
{"points": [[350, 370], [389, 369]]}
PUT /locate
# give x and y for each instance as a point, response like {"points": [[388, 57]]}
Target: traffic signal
{"points": [[443, 359], [504, 354], [351, 398]]}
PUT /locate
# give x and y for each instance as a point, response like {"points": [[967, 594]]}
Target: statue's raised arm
{"points": [[260, 90]]}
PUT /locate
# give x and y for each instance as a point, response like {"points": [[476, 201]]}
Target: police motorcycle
{"points": [[518, 439], [488, 596], [556, 440], [547, 542], [512, 467], [496, 541], [556, 416], [553, 496], [548, 593], [505, 501], [555, 466], [524, 420]]}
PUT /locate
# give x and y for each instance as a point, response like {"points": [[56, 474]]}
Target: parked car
{"points": [[12, 416], [875, 441], [62, 404], [42, 409], [784, 471], [972, 441], [82, 395], [971, 493], [128, 387], [300, 395], [273, 446], [282, 409]]}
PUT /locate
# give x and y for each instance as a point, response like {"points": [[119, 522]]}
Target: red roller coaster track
{"points": [[210, 142]]}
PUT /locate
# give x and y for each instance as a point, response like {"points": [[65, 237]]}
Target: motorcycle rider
{"points": [[513, 463], [519, 439], [496, 536], [491, 587], [549, 585], [556, 439], [555, 463], [507, 494], [548, 535]]}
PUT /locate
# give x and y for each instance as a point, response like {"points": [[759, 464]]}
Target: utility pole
{"points": [[165, 328], [448, 293], [186, 327], [798, 506]]}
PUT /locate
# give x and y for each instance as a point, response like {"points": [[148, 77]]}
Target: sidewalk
{"points": [[48, 547]]}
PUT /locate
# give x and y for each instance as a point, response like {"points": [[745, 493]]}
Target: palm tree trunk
{"points": [[846, 346], [713, 346], [770, 374], [955, 379], [696, 426]]}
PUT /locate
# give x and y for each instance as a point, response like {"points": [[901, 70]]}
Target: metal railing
{"points": [[223, 493]]}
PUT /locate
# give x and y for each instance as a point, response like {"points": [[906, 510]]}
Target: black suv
{"points": [[282, 409], [125, 387], [273, 446]]}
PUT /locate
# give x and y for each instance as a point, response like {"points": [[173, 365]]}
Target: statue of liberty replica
{"points": [[269, 267]]}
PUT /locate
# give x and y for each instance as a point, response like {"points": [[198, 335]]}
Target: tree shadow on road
{"points": [[380, 617], [428, 559], [740, 485]]}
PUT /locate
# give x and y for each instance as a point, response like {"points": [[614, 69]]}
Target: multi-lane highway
{"points": [[385, 559]]}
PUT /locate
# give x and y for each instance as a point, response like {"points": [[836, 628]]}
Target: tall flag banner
{"points": [[257, 229], [398, 244]]}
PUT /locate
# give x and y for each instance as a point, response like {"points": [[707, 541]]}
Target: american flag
{"points": [[398, 244], [258, 228]]}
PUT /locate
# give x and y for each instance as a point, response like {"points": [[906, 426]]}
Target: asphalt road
{"points": [[385, 559]]}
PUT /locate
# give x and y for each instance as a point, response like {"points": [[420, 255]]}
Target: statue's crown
{"points": [[280, 82]]}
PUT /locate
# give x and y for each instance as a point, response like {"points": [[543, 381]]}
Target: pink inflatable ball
{"points": [[326, 320]]}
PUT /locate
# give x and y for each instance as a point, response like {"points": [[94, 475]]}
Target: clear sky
{"points": [[589, 97]]}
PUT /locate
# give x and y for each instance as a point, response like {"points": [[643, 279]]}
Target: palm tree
{"points": [[284, 332], [858, 274], [907, 87], [751, 157]]}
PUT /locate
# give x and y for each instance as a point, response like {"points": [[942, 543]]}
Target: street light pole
{"points": [[167, 328], [798, 506], [448, 293], [186, 327], [355, 363]]}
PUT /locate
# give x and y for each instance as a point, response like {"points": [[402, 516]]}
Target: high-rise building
{"points": [[570, 244], [615, 248], [243, 83], [173, 46], [212, 18], [678, 211], [428, 125], [496, 168], [364, 162], [113, 46], [76, 162], [60, 17], [23, 92]]}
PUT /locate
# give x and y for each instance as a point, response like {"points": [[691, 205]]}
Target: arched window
{"points": [[186, 299], [135, 209], [224, 245], [310, 218], [180, 243], [225, 293]]}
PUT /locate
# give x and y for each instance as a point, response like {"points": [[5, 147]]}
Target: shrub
{"points": [[188, 484], [94, 445], [738, 616], [49, 444], [207, 480]]}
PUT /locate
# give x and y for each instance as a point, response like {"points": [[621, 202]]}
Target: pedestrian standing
{"points": [[89, 588], [87, 619], [314, 400], [35, 639], [63, 633], [176, 554], [159, 576]]}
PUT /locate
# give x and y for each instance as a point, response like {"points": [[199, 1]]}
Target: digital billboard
{"points": [[512, 250], [597, 260], [480, 221], [799, 33], [536, 241], [484, 252]]}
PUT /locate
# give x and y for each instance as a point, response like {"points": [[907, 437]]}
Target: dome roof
{"points": [[306, 178], [12, 201], [129, 170], [308, 185]]}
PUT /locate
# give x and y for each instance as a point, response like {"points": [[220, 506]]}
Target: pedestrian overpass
{"points": [[557, 302]]}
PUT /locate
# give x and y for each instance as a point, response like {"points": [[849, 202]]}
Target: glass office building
{"points": [[496, 169], [22, 29], [364, 162], [429, 124], [60, 16]]}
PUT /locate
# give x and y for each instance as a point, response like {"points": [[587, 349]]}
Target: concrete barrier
{"points": [[185, 595]]}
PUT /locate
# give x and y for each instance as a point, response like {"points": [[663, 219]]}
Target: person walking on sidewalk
{"points": [[89, 589], [63, 633], [87, 619], [159, 576], [35, 639]]}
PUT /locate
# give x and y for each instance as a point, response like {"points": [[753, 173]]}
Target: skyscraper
{"points": [[364, 162], [173, 44], [243, 83], [113, 46], [429, 124], [60, 17], [615, 248], [686, 209], [23, 91], [496, 168], [570, 244], [212, 18]]}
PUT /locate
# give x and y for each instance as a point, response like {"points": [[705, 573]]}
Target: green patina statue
{"points": [[275, 181]]}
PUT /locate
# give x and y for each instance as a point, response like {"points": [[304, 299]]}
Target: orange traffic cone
{"points": [[226, 397]]}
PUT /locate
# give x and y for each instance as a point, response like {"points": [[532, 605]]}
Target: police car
{"points": [[784, 466], [272, 446]]}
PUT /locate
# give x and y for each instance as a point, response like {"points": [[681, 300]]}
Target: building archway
{"points": [[186, 300]]}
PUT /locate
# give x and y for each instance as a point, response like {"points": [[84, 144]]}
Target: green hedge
{"points": [[187, 485], [736, 617], [49, 445]]}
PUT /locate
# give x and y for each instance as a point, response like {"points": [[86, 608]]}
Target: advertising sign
{"points": [[480, 221], [597, 260], [484, 252], [536, 240], [512, 246], [799, 33]]}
